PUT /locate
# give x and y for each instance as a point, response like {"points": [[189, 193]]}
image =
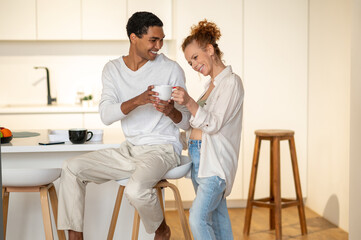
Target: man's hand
{"points": [[165, 107], [142, 99], [146, 97], [168, 109]]}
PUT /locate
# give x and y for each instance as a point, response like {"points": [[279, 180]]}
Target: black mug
{"points": [[79, 135]]}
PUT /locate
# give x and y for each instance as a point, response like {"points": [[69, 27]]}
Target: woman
{"points": [[214, 138]]}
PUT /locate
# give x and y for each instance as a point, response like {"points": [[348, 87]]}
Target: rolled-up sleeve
{"points": [[179, 80], [184, 123]]}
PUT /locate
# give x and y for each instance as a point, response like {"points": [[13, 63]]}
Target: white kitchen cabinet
{"points": [[17, 20], [104, 20], [162, 8], [59, 19], [76, 19]]}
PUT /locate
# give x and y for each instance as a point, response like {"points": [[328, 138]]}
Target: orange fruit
{"points": [[6, 132]]}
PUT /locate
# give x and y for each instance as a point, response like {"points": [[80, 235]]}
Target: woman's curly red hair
{"points": [[204, 33]]}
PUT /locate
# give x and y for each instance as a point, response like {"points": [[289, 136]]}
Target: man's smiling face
{"points": [[148, 46]]}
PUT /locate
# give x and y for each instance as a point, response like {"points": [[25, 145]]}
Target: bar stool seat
{"points": [[175, 173], [274, 202], [33, 180]]}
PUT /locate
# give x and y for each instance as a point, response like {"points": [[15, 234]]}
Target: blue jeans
{"points": [[208, 216]]}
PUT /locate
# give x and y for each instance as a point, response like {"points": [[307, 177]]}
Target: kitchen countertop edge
{"points": [[57, 148]]}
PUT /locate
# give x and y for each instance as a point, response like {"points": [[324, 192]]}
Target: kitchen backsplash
{"points": [[73, 67]]}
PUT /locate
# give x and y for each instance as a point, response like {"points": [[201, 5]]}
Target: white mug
{"points": [[164, 91]]}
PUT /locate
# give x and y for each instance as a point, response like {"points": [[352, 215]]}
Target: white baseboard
{"points": [[232, 203]]}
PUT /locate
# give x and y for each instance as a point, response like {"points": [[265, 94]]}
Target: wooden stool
{"points": [[175, 173], [274, 201], [44, 191], [33, 180]]}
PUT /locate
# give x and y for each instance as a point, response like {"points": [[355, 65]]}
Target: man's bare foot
{"points": [[163, 232], [75, 235]]}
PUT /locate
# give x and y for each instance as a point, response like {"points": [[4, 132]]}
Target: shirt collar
{"points": [[219, 77]]}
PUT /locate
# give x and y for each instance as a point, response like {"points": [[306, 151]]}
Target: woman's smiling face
{"points": [[199, 59]]}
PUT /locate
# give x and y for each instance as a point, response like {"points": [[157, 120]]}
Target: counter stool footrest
{"points": [[263, 204], [266, 203], [266, 199]]}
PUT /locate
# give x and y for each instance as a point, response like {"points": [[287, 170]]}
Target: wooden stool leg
{"points": [[160, 197], [136, 223], [301, 209], [252, 185], [180, 209], [46, 213], [271, 195], [5, 199], [275, 145], [54, 205], [113, 222]]}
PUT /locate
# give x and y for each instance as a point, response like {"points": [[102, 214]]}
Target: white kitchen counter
{"points": [[31, 144], [24, 208], [55, 108]]}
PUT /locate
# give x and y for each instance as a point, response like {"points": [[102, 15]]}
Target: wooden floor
{"points": [[318, 228]]}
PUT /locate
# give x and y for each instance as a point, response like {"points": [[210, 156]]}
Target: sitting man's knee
{"points": [[133, 191], [75, 165], [71, 164]]}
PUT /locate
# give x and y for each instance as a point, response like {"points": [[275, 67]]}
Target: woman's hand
{"points": [[180, 96]]}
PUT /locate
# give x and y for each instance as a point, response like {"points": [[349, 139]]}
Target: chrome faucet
{"points": [[50, 99]]}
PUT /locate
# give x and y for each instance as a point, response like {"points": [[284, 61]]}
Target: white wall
{"points": [[355, 128], [329, 110], [275, 79]]}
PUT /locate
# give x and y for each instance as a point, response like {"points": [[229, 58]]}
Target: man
{"points": [[150, 125]]}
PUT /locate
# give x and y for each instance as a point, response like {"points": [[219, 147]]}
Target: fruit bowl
{"points": [[6, 139]]}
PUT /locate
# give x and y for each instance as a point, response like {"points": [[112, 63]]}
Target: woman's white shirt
{"points": [[221, 123]]}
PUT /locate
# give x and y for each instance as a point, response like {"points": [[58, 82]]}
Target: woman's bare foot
{"points": [[163, 232]]}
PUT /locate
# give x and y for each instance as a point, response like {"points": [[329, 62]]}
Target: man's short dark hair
{"points": [[139, 23]]}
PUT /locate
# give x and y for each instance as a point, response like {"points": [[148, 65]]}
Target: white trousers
{"points": [[145, 165]]}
